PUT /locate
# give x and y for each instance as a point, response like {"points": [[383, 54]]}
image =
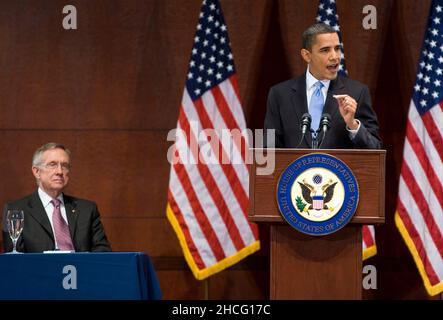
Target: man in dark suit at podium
{"points": [[320, 108], [53, 220]]}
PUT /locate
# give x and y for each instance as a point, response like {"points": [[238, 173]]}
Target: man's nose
{"points": [[335, 55], [59, 169]]}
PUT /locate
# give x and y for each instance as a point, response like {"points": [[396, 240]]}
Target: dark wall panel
{"points": [[125, 172]]}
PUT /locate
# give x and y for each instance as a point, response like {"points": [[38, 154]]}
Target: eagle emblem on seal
{"points": [[316, 195]]}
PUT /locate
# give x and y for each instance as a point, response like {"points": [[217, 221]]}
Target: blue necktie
{"points": [[316, 105]]}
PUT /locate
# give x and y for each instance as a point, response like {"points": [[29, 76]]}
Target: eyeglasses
{"points": [[54, 165]]}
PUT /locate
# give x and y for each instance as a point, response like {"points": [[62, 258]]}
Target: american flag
{"points": [[208, 196], [419, 215], [327, 13]]}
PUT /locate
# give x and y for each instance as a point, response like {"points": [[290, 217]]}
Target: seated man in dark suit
{"points": [[53, 220], [353, 123]]}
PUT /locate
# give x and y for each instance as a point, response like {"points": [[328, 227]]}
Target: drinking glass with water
{"points": [[15, 221]]}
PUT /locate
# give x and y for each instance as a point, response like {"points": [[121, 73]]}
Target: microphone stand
{"points": [[314, 139], [301, 140], [324, 124], [322, 138], [305, 124]]}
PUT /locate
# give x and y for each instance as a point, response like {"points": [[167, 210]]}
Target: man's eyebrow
{"points": [[328, 47]]}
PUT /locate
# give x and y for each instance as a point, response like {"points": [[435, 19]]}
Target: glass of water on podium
{"points": [[15, 219]]}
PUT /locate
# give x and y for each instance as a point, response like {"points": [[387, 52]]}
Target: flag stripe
{"points": [[429, 151], [214, 191], [194, 227], [215, 222], [190, 109], [231, 123], [184, 228], [415, 148], [428, 158], [214, 173], [437, 115], [205, 107], [416, 238], [224, 107], [426, 247], [230, 187], [231, 175], [203, 216], [368, 236], [412, 180], [235, 155], [232, 95], [433, 132]]}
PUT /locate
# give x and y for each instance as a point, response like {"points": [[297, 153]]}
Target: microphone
{"points": [[325, 124], [305, 122], [304, 126]]}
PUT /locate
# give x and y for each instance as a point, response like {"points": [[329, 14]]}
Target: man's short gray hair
{"points": [[37, 157], [310, 34]]}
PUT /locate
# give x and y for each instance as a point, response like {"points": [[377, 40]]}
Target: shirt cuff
{"points": [[353, 133]]}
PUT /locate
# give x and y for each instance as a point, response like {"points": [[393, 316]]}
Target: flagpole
{"points": [[206, 288]]}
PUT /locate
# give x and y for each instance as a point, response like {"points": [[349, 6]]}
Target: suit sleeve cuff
{"points": [[353, 133]]}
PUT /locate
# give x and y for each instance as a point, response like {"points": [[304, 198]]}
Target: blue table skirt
{"points": [[78, 276]]}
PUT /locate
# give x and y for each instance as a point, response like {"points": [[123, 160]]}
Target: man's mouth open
{"points": [[333, 67]]}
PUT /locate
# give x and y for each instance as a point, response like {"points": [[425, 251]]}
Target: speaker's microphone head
{"points": [[306, 119], [325, 120]]}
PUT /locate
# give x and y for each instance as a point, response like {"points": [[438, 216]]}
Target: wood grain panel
{"points": [[181, 285], [125, 172], [239, 285], [105, 74], [306, 267], [143, 234]]}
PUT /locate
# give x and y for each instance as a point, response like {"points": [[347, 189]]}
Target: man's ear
{"points": [[306, 55], [36, 172]]}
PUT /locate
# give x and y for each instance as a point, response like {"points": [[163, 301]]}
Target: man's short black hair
{"points": [[310, 33]]}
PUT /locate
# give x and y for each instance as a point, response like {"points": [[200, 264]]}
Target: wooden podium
{"points": [[317, 267]]}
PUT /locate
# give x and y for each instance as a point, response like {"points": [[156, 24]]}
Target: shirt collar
{"points": [[311, 80], [46, 199]]}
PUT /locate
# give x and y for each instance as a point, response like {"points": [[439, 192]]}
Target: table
{"points": [[78, 276]]}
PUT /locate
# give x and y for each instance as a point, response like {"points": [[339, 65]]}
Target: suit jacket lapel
{"points": [[71, 214], [300, 104], [37, 210]]}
